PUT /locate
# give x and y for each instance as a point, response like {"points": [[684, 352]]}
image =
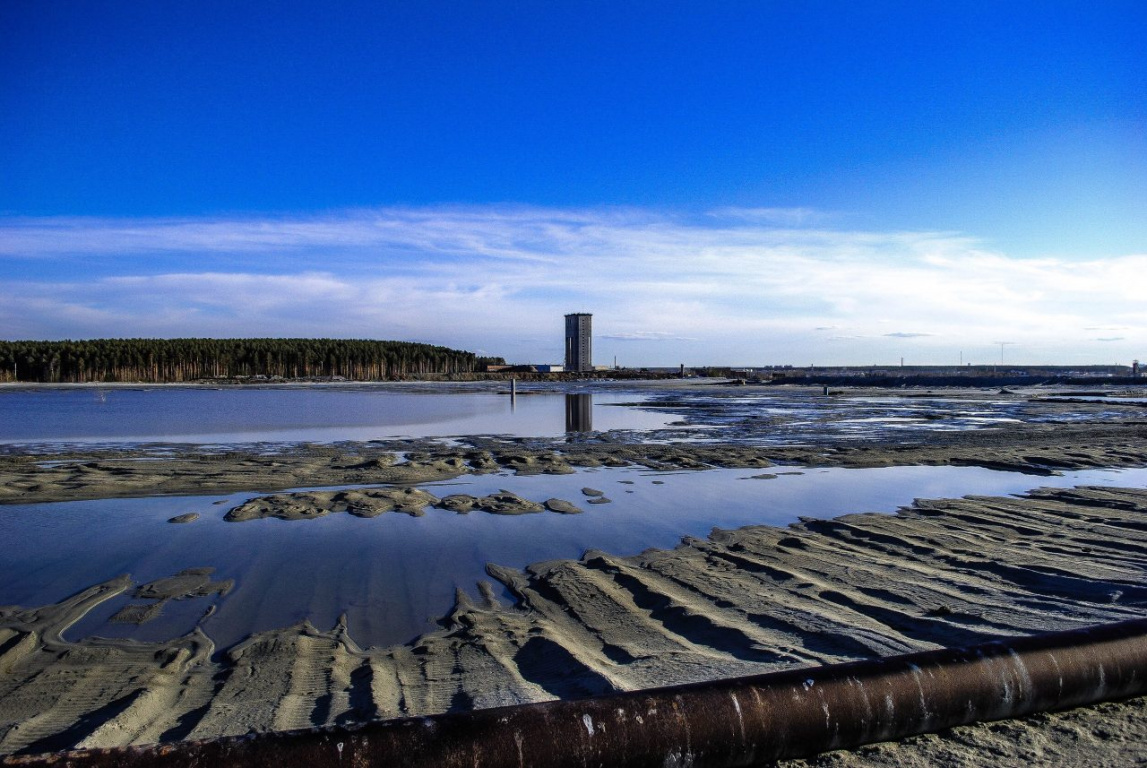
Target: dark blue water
{"points": [[395, 575], [294, 414]]}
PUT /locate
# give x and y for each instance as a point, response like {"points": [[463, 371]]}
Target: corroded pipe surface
{"points": [[735, 722]]}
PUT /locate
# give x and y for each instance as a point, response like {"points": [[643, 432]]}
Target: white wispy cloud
{"points": [[784, 217], [722, 289], [645, 336]]}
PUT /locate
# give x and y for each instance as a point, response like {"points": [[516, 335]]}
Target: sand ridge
{"points": [[941, 573]]}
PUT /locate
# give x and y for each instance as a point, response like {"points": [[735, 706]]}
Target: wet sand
{"points": [[1110, 734]]}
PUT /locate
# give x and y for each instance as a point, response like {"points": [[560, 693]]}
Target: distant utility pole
{"points": [[1002, 345]]}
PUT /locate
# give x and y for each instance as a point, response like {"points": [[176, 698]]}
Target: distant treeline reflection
{"points": [[174, 360]]}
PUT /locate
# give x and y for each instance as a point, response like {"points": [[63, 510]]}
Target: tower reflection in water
{"points": [[579, 413]]}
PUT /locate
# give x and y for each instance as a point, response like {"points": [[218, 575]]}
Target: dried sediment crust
{"points": [[562, 506], [189, 517], [941, 573], [371, 502], [29, 478], [307, 505]]}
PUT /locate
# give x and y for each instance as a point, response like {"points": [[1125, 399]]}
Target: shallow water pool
{"points": [[394, 576]]}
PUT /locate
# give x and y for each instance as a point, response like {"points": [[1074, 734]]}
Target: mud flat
{"points": [[372, 502], [28, 476], [1110, 734], [941, 573]]}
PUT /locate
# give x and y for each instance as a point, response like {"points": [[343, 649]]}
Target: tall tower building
{"points": [[579, 342]]}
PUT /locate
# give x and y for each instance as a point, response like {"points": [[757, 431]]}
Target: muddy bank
{"points": [[151, 597], [30, 477], [308, 505], [1113, 734], [942, 573], [1040, 449]]}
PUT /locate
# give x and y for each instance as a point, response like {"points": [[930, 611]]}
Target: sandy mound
{"points": [[371, 502]]}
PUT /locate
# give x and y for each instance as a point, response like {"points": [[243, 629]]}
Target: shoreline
{"points": [[31, 476]]}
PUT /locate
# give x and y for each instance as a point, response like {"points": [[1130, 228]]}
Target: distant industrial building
{"points": [[579, 342]]}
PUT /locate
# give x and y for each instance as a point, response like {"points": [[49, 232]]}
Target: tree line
{"points": [[176, 360]]}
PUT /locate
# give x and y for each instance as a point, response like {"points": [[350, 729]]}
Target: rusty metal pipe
{"points": [[737, 722]]}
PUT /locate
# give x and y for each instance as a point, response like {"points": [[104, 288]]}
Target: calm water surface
{"points": [[303, 413], [395, 575]]}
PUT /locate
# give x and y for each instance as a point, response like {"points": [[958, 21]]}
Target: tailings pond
{"points": [[395, 575], [309, 413], [627, 411]]}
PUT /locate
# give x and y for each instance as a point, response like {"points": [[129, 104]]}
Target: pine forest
{"points": [[183, 360]]}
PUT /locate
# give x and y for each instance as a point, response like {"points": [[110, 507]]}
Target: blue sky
{"points": [[718, 182]]}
